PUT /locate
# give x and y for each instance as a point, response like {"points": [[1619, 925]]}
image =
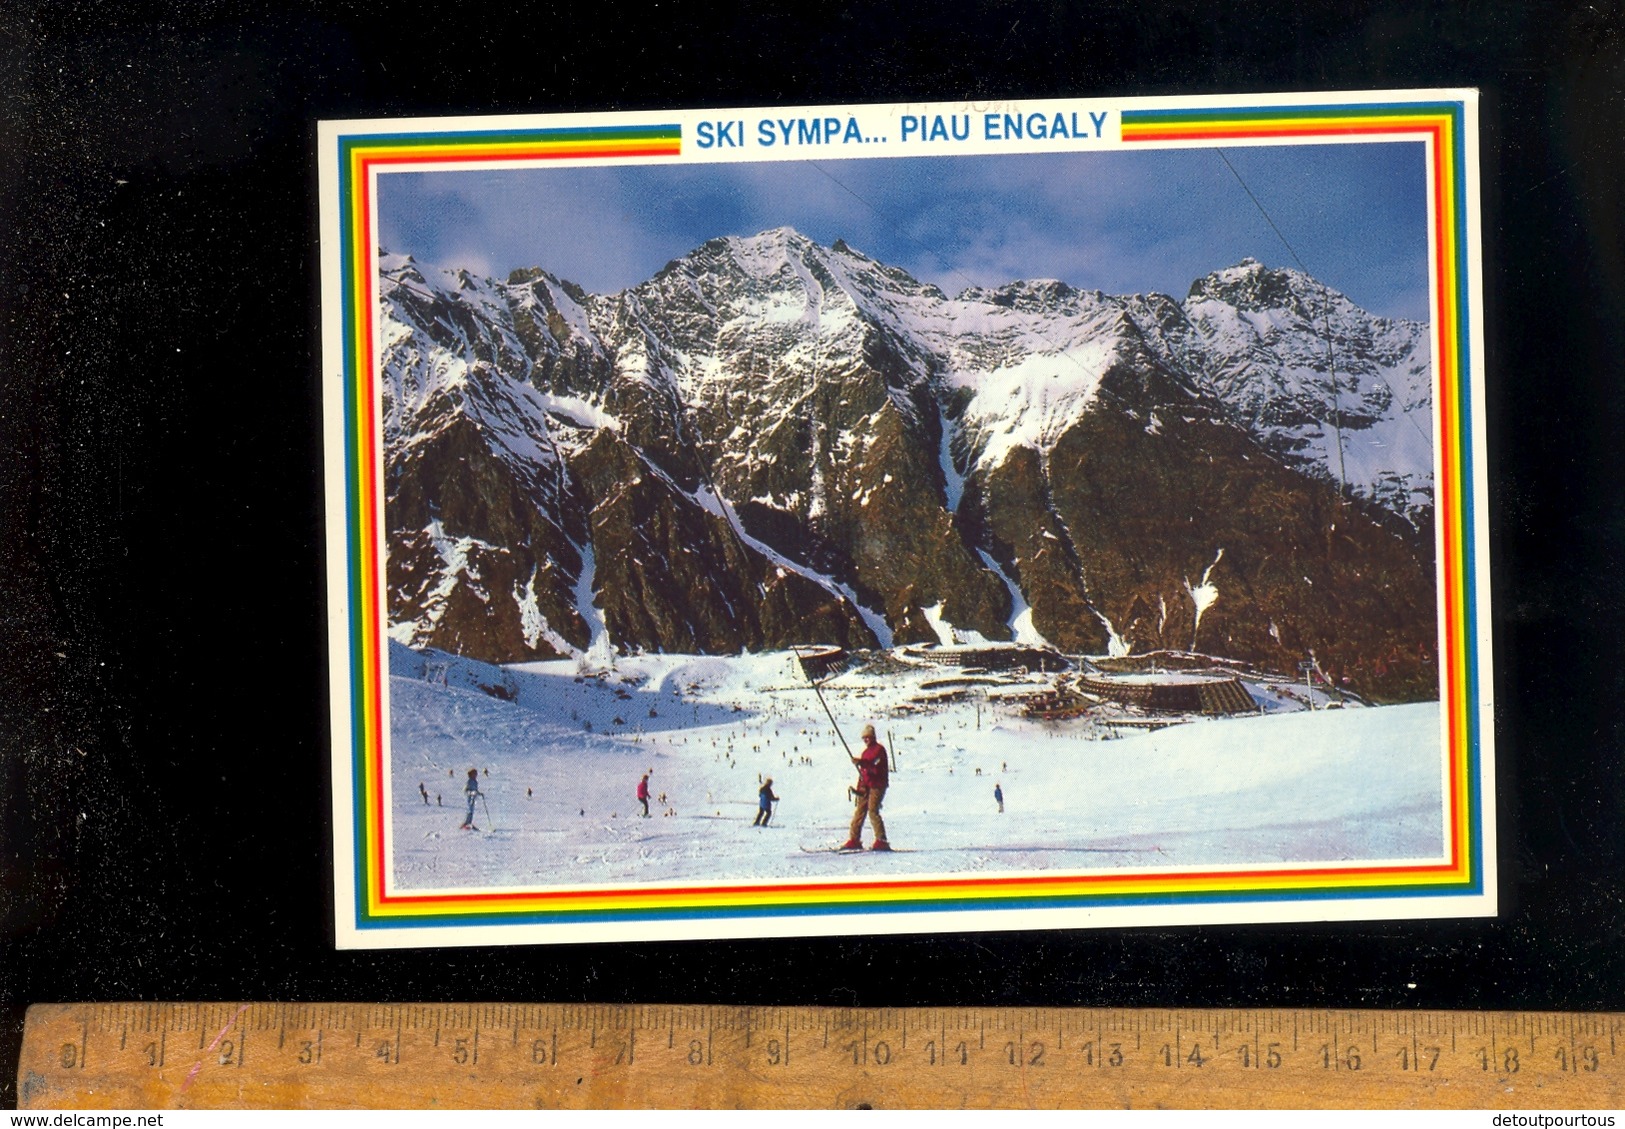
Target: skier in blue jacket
{"points": [[765, 799]]}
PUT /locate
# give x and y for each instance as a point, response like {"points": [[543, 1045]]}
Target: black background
{"points": [[163, 716]]}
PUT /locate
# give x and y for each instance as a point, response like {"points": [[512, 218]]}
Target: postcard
{"points": [[907, 518]]}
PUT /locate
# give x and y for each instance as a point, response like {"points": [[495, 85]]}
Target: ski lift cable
{"points": [[1325, 308], [1326, 320]]}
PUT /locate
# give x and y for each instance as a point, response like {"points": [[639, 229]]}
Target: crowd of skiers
{"points": [[874, 777]]}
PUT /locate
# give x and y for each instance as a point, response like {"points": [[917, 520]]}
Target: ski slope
{"points": [[560, 755]]}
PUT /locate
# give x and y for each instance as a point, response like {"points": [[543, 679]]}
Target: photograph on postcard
{"points": [[934, 517]]}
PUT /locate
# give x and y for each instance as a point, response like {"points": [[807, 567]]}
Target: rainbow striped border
{"points": [[1440, 125]]}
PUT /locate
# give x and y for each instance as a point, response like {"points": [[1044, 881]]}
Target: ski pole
{"points": [[487, 807]]}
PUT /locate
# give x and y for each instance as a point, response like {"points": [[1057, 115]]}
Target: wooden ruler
{"points": [[171, 1055]]}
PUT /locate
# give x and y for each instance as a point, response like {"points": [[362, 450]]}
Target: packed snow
{"points": [[560, 747]]}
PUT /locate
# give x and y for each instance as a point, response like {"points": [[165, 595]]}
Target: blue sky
{"points": [[1122, 222]]}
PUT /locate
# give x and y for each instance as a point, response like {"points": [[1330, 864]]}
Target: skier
{"points": [[998, 797], [472, 790], [424, 792], [765, 801], [873, 777], [643, 794]]}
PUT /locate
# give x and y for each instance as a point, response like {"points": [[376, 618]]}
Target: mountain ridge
{"points": [[782, 434]]}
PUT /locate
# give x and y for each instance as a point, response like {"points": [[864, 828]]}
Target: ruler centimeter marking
{"points": [[565, 1055]]}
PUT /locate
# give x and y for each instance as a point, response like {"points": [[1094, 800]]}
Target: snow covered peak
{"points": [[808, 421], [403, 281], [1014, 366], [769, 255], [1268, 342], [760, 256], [783, 258], [1250, 285], [783, 238]]}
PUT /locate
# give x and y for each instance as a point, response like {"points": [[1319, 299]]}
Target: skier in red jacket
{"points": [[643, 794], [873, 777]]}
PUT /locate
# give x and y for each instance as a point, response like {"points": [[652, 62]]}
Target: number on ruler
{"points": [[1583, 1059], [1348, 1060], [1425, 1058], [1032, 1056]]}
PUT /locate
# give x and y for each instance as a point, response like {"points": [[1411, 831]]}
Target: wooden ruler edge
{"points": [[1596, 1088]]}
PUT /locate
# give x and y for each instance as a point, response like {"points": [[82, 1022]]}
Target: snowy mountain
{"points": [[1267, 342], [773, 442]]}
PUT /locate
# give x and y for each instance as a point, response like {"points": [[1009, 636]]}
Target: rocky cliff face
{"points": [[1301, 366], [774, 442]]}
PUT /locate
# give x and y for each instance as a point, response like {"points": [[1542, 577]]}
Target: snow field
{"points": [[1325, 786]]}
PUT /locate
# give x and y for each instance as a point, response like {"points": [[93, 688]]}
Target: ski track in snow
{"points": [[1324, 786]]}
